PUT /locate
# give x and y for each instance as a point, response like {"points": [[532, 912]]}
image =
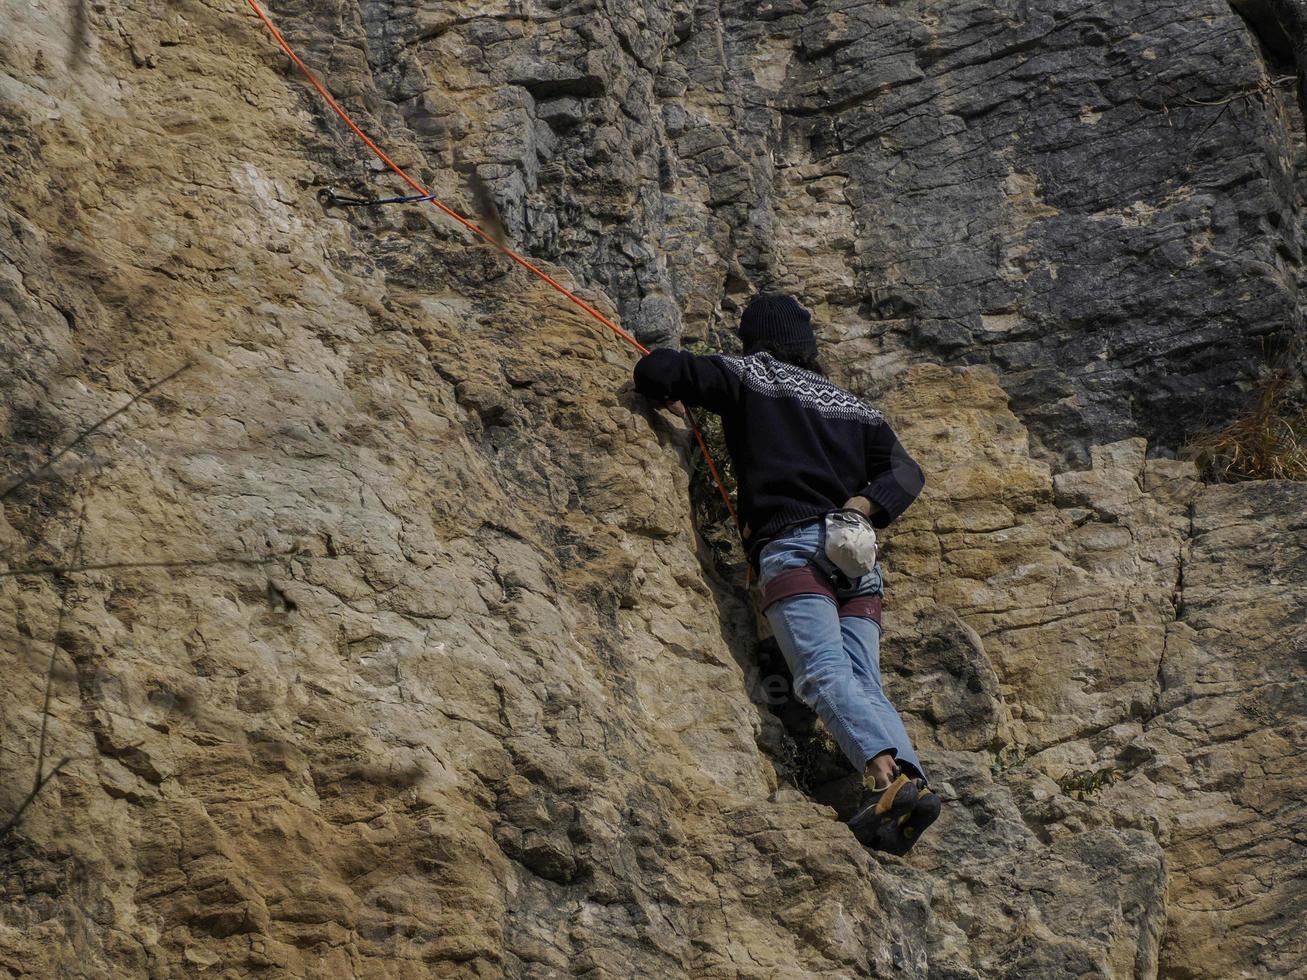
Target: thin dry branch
{"points": [[1264, 86], [12, 822], [164, 563], [54, 654], [86, 433], [80, 36]]}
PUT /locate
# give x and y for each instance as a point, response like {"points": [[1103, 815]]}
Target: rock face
{"points": [[379, 641], [1143, 630], [1098, 199]]}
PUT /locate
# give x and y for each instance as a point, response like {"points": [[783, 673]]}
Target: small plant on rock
{"points": [[1080, 783], [1269, 443]]}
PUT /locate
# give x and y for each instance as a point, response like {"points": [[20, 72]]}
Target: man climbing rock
{"points": [[817, 469]]}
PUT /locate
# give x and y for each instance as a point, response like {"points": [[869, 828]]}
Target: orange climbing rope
{"points": [[482, 234]]}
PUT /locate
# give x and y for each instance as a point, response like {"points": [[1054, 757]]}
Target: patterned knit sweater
{"points": [[801, 445]]}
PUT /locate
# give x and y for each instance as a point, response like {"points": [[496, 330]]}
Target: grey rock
{"points": [[1096, 199]]}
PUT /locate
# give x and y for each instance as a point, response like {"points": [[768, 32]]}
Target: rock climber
{"points": [[818, 469]]}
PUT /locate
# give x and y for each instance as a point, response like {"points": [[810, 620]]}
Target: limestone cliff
{"points": [[381, 642]]}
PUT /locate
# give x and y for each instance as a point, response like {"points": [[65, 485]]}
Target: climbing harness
{"points": [[425, 195]]}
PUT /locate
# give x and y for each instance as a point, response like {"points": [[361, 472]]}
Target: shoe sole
{"points": [[871, 822], [912, 825]]}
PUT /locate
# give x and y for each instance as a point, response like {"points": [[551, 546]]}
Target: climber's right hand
{"points": [[676, 408]]}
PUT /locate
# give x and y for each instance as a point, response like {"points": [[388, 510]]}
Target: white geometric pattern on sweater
{"points": [[776, 379]]}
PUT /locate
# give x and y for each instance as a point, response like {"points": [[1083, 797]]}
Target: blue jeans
{"points": [[834, 659]]}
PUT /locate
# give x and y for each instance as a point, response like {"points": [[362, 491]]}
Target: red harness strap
{"points": [[809, 581], [797, 581], [865, 606]]}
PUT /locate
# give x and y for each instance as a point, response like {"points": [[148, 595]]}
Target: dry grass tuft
{"points": [[1269, 443]]}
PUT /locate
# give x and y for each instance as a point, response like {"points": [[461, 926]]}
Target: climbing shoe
{"points": [[924, 813], [876, 823]]}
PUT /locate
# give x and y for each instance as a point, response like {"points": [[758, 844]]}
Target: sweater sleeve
{"points": [[893, 477], [667, 375]]}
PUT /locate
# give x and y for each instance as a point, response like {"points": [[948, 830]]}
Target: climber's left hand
{"points": [[862, 505]]}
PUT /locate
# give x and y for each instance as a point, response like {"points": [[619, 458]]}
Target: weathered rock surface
{"points": [[381, 642], [1141, 628], [1101, 200]]}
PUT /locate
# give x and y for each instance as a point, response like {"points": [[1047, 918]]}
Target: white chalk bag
{"points": [[850, 542]]}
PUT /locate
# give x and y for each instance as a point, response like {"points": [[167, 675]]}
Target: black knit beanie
{"points": [[780, 322]]}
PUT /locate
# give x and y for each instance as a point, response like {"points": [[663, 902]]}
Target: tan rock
{"points": [[384, 646]]}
